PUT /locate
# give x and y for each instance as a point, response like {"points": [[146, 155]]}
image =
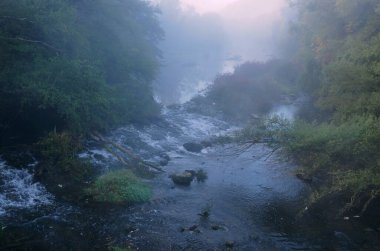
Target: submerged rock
{"points": [[164, 162], [304, 177], [201, 175], [193, 147], [206, 143], [183, 179], [230, 244], [164, 159]]}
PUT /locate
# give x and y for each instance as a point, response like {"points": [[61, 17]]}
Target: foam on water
{"points": [[18, 190], [287, 112]]}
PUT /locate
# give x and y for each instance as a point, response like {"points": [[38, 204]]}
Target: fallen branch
{"points": [[24, 19], [374, 195], [98, 137]]}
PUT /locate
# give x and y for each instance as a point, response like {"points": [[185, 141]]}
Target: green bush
{"points": [[344, 154], [76, 65], [60, 168], [118, 187], [358, 180], [352, 145]]}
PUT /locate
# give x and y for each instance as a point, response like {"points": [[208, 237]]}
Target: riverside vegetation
{"points": [[335, 140], [69, 68]]}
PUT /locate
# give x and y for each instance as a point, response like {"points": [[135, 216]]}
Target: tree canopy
{"points": [[76, 65]]}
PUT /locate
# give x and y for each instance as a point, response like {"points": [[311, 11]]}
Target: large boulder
{"points": [[183, 179], [193, 147]]}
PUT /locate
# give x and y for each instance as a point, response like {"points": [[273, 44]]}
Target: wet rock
{"points": [[206, 143], [182, 229], [165, 156], [230, 244], [99, 157], [18, 158], [217, 227], [164, 162], [183, 179], [192, 229], [304, 177], [193, 147], [205, 213], [201, 175]]}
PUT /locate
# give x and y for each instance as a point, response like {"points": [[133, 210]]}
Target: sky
{"points": [[203, 6], [250, 7]]}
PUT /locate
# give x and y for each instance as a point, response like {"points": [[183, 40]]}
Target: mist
{"points": [[168, 125], [205, 38]]}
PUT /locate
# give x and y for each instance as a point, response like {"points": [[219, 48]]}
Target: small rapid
{"points": [[19, 191], [251, 195]]}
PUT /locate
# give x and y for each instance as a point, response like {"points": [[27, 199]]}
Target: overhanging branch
{"points": [[31, 41]]}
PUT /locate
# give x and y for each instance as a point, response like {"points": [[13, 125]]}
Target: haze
{"points": [[203, 37], [249, 8]]}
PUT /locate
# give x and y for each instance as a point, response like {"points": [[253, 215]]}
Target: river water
{"points": [[250, 194]]}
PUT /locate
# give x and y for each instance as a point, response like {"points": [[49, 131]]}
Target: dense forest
{"points": [[339, 138], [76, 65], [68, 69]]}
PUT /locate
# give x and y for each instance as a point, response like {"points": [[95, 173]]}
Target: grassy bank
{"points": [[340, 160]]}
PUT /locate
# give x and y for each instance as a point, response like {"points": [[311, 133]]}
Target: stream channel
{"points": [[252, 198]]}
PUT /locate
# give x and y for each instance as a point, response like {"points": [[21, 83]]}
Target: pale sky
{"points": [[203, 6], [253, 7]]}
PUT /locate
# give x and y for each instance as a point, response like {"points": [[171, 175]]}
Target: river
{"points": [[251, 196]]}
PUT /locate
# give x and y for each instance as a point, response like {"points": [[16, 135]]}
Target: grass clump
{"points": [[119, 187]]}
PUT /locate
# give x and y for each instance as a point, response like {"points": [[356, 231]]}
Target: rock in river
{"points": [[183, 179], [193, 147]]}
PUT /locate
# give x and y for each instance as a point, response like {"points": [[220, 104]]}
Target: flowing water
{"points": [[251, 196]]}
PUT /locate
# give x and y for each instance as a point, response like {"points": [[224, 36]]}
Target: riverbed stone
{"points": [[183, 179], [206, 143], [193, 147]]}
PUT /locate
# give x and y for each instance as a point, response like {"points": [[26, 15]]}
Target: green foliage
{"points": [[340, 55], [351, 145], [120, 249], [118, 187], [60, 168], [344, 155], [253, 88], [358, 180], [76, 65]]}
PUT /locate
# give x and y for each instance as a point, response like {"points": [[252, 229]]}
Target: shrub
{"points": [[352, 145], [60, 168], [118, 187]]}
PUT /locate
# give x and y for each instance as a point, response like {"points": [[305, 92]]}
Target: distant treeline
{"points": [[76, 65], [251, 90]]}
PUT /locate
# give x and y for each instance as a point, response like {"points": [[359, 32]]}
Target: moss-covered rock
{"points": [[183, 179]]}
